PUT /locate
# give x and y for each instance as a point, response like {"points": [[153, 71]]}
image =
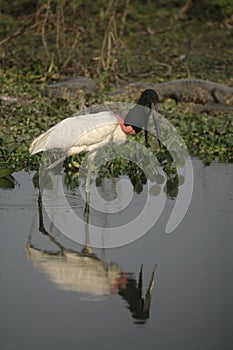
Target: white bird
{"points": [[87, 133]]}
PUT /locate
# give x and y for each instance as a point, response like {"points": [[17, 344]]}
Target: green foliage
{"points": [[4, 172], [91, 38], [211, 10], [119, 167], [207, 137], [150, 46], [17, 8], [22, 120]]}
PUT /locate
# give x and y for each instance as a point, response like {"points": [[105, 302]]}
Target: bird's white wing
{"points": [[81, 131]]}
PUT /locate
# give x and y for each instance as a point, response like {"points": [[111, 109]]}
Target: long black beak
{"points": [[156, 122], [154, 113]]}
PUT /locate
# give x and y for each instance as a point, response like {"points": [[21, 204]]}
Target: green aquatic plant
{"points": [[157, 42]]}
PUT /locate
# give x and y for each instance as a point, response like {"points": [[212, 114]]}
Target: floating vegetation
{"points": [[156, 42]]}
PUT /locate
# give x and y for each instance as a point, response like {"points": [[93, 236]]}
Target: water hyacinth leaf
{"points": [[155, 190], [171, 188], [8, 139], [12, 147], [138, 187], [76, 164], [7, 183], [180, 180], [35, 179], [229, 140], [221, 129], [158, 178], [180, 162], [15, 120], [6, 172]]}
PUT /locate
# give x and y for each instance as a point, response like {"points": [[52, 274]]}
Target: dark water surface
{"points": [[76, 300]]}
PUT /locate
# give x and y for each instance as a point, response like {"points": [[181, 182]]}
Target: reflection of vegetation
{"points": [[173, 180], [7, 182], [121, 167], [6, 179]]}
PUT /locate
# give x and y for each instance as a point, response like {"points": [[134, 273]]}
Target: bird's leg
{"points": [[91, 157], [87, 248]]}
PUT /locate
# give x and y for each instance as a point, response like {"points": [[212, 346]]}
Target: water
{"points": [[75, 300]]}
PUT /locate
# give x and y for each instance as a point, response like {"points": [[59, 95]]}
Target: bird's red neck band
{"points": [[126, 129]]}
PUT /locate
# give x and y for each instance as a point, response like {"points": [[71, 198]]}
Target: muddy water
{"points": [[160, 292]]}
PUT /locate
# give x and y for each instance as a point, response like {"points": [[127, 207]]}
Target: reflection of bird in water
{"points": [[138, 305], [87, 133], [85, 272], [70, 270]]}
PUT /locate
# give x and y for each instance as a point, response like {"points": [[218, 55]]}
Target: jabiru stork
{"points": [[87, 133]]}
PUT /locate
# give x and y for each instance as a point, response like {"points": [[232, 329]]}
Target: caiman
{"points": [[182, 90], [187, 90], [70, 89], [207, 96]]}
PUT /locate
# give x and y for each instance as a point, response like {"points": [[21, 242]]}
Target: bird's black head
{"points": [[148, 97], [138, 116]]}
